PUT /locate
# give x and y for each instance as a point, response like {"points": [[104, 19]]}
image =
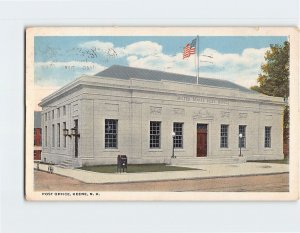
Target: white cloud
{"points": [[164, 62], [51, 75], [249, 57], [86, 66], [97, 44], [241, 68], [104, 48], [41, 92], [141, 48]]}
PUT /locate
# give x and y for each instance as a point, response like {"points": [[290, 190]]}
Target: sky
{"points": [[61, 59]]}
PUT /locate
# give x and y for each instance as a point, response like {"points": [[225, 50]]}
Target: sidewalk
{"points": [[207, 171]]}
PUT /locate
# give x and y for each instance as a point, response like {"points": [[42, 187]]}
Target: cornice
{"points": [[159, 87]]}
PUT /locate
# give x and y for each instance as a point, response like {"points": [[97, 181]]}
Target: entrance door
{"points": [[76, 147], [76, 138], [201, 140]]}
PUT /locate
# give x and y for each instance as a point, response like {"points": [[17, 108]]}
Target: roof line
{"points": [[115, 71]]}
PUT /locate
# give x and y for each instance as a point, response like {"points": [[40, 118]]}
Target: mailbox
{"points": [[122, 163]]}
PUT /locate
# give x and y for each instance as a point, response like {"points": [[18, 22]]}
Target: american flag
{"points": [[189, 49]]}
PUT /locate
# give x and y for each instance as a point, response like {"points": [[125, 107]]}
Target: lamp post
{"points": [[75, 134], [173, 136], [240, 143], [66, 133]]}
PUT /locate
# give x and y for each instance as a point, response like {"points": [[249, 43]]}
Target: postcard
{"points": [[162, 113]]}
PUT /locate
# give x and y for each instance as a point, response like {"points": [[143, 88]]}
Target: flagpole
{"points": [[197, 59]]}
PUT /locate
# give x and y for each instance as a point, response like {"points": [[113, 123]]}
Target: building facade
{"points": [[144, 114]]}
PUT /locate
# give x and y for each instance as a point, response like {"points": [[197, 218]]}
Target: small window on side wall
{"points": [[268, 137], [111, 133], [242, 140], [155, 134], [224, 136], [178, 138]]}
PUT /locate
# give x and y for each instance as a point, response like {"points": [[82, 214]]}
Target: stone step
{"points": [[207, 160], [68, 163], [69, 160]]}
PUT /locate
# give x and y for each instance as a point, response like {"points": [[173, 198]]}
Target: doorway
{"points": [[76, 138], [201, 140]]}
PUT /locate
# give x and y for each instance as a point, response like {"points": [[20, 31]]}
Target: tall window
{"points": [[52, 114], [64, 110], [45, 116], [242, 141], [224, 136], [268, 137], [46, 135], [111, 133], [154, 134], [58, 112], [58, 135], [178, 139], [53, 135], [64, 138]]}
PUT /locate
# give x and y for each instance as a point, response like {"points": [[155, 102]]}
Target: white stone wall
{"points": [[134, 103], [58, 154]]}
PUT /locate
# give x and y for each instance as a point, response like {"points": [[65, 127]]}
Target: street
{"points": [[258, 183]]}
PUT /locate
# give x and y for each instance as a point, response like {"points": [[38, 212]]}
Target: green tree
{"points": [[274, 77]]}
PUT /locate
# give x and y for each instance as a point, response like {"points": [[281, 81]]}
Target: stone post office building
{"points": [[144, 113]]}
